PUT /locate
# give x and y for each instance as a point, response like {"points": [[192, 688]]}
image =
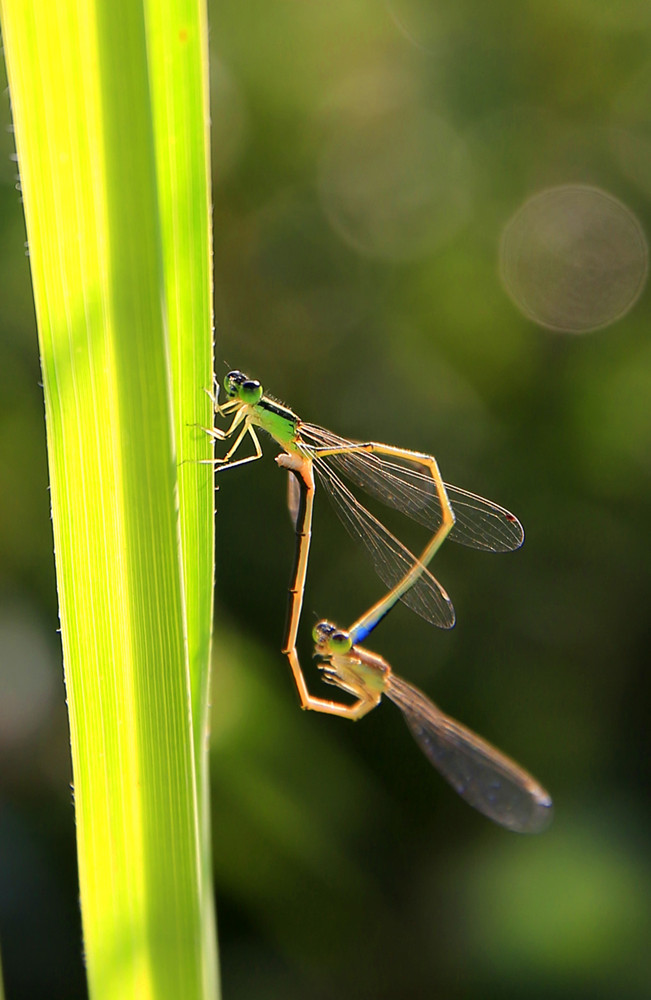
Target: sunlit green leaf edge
{"points": [[80, 87], [177, 42]]}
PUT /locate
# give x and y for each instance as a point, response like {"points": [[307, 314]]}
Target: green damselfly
{"points": [[407, 481]]}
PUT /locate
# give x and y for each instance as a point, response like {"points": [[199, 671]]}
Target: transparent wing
{"points": [[391, 559], [293, 497], [486, 778], [480, 523]]}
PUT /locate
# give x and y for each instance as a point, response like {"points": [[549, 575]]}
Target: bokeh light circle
{"points": [[397, 185], [574, 258]]}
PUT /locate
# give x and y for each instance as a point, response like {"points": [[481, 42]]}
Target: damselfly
{"points": [[482, 775], [405, 480]]}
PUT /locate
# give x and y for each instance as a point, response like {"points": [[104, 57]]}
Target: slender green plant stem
{"points": [[177, 40], [126, 353]]}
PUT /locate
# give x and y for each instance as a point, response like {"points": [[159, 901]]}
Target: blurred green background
{"points": [[367, 159]]}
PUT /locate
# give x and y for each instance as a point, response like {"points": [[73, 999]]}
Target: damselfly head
{"points": [[232, 381], [331, 640], [239, 385]]}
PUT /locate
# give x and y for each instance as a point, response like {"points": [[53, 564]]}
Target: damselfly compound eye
{"points": [[340, 642], [250, 392]]}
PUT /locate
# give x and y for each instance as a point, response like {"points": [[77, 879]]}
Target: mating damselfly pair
{"points": [[409, 482]]}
